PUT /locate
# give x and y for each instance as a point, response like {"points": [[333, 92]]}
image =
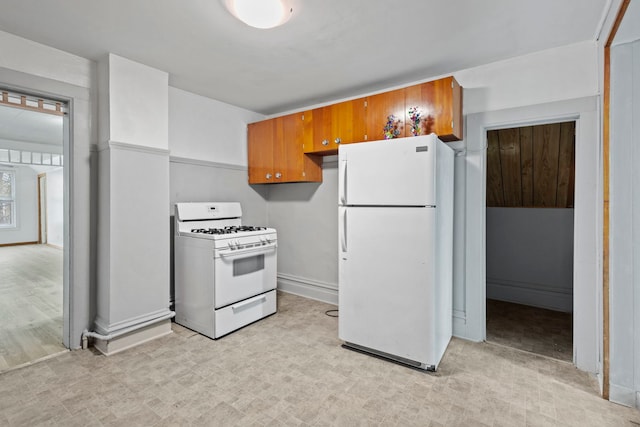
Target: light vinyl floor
{"points": [[31, 290], [289, 370]]}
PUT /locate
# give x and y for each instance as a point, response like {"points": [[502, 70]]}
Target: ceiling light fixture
{"points": [[261, 13]]}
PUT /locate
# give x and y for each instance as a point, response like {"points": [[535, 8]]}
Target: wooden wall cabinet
{"points": [[289, 148], [276, 151], [440, 104], [378, 109], [341, 123]]}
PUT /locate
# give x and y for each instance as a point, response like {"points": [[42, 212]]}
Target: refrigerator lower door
{"points": [[386, 281]]}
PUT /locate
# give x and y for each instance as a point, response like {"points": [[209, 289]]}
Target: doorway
{"points": [[529, 234], [32, 253]]}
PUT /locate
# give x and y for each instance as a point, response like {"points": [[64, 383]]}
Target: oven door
{"points": [[243, 273]]}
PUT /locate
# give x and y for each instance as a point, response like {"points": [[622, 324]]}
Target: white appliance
{"points": [[225, 272], [396, 248]]}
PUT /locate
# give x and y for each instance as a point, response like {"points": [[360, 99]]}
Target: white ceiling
{"points": [[329, 49], [629, 30], [29, 126]]}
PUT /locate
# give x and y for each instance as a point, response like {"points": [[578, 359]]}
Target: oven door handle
{"points": [[228, 253], [247, 302]]}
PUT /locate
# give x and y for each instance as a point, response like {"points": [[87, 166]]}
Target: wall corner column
{"points": [[133, 231]]}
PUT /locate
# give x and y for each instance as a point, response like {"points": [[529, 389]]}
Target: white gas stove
{"points": [[225, 272]]}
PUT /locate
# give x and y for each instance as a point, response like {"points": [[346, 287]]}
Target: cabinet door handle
{"points": [[338, 141], [278, 175], [268, 176], [325, 142]]}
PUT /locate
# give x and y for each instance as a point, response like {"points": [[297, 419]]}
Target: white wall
{"points": [[306, 217], [530, 256], [562, 73], [43, 61], [133, 228], [26, 229], [138, 103], [208, 146], [55, 207], [205, 129], [551, 75], [624, 268]]}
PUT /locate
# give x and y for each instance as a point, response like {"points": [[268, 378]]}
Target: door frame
{"points": [[42, 206], [80, 186], [606, 149], [587, 271]]}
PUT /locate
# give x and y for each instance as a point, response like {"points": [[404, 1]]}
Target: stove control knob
{"points": [[267, 239]]}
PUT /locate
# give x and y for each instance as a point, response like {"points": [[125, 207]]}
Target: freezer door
{"points": [[386, 280], [398, 172]]}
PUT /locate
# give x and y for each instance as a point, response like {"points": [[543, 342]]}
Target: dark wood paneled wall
{"points": [[531, 166]]}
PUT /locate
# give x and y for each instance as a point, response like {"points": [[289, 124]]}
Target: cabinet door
{"points": [[307, 131], [260, 144], [312, 163], [322, 129], [290, 162], [348, 122], [336, 124], [379, 108], [440, 105]]}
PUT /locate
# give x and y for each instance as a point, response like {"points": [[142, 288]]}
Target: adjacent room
{"points": [[31, 232], [530, 193]]}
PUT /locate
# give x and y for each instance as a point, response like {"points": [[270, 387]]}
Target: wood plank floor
{"points": [[545, 332], [31, 286]]}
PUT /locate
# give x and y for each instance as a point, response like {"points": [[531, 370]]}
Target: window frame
{"points": [[11, 199]]}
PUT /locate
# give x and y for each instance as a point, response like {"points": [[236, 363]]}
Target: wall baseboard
{"points": [[460, 327], [624, 396], [54, 246], [531, 294], [308, 288], [18, 244], [134, 338]]}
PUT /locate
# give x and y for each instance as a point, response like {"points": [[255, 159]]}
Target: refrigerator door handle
{"points": [[343, 178], [343, 234]]}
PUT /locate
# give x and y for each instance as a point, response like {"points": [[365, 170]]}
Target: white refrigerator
{"points": [[396, 248]]}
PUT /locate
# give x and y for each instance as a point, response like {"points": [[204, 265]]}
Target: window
{"points": [[7, 199]]}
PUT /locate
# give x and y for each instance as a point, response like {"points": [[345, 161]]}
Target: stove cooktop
{"points": [[235, 233], [233, 229]]}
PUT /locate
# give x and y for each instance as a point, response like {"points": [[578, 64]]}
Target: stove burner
{"points": [[227, 230]]}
